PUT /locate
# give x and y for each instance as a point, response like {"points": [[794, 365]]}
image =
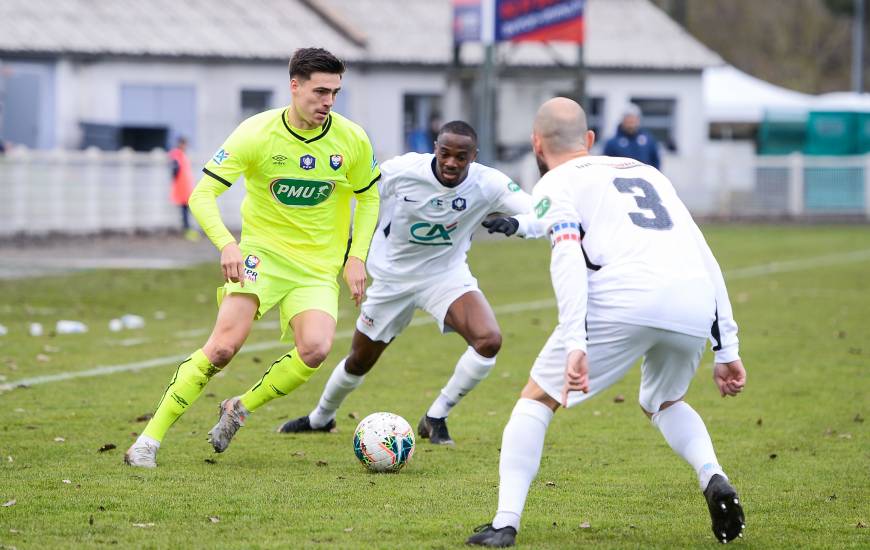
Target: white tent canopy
{"points": [[730, 95]]}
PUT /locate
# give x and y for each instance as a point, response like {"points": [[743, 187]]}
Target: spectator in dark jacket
{"points": [[633, 142]]}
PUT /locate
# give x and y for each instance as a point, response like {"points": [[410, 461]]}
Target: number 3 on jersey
{"points": [[648, 200]]}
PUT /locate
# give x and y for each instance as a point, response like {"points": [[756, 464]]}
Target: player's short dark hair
{"points": [[458, 127], [314, 60]]}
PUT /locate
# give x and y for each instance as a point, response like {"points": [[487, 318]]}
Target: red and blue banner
{"points": [[518, 20]]}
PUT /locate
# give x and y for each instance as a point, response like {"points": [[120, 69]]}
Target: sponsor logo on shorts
{"points": [[366, 320], [307, 162], [220, 156], [296, 192], [252, 261], [335, 161], [432, 234], [542, 207], [251, 275], [458, 204]]}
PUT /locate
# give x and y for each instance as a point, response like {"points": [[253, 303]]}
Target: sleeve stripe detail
{"points": [[366, 188], [215, 176], [714, 332], [564, 231]]}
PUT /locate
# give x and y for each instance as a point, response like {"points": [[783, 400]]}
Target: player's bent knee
{"points": [[220, 353], [358, 365], [488, 345], [313, 354], [533, 391]]}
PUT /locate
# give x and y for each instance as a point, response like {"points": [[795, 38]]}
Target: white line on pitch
{"points": [[741, 273]]}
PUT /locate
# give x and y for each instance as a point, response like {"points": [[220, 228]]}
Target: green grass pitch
{"points": [[795, 443]]}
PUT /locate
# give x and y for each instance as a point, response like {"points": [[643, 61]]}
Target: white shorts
{"points": [[670, 360], [389, 305]]}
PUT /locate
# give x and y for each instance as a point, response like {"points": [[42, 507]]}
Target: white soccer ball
{"points": [[383, 442]]}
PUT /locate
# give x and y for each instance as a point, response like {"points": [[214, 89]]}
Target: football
{"points": [[383, 442]]}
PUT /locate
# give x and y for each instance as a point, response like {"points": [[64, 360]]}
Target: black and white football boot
{"points": [[435, 430], [725, 510], [487, 535], [303, 424]]}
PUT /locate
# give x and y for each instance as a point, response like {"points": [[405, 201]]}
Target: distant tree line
{"points": [[805, 45]]}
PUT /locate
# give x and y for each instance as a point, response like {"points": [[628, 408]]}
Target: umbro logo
{"points": [[279, 160]]}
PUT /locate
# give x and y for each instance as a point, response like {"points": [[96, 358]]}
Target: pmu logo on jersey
{"points": [[295, 192], [432, 234], [458, 204], [335, 161], [307, 162], [251, 262]]}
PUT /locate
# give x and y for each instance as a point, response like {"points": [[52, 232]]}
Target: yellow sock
{"points": [[285, 375], [190, 377]]}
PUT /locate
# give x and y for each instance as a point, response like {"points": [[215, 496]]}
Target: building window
{"points": [[658, 119], [152, 115], [595, 114], [422, 119], [255, 101]]}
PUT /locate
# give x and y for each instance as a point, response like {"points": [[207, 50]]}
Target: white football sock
{"points": [[470, 370], [338, 387], [687, 435], [521, 447]]}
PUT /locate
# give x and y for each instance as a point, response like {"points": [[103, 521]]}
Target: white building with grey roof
{"points": [[140, 73]]}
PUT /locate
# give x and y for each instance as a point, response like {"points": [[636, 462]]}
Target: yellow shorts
{"points": [[276, 281]]}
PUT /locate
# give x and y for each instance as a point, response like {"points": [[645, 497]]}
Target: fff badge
{"points": [[307, 162]]}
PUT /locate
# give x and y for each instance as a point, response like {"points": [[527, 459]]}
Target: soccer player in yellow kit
{"points": [[302, 165]]}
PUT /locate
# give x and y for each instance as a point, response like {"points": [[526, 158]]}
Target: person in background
{"points": [[182, 185], [631, 141]]}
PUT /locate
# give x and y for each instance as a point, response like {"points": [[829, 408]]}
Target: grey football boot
{"points": [[232, 417]]}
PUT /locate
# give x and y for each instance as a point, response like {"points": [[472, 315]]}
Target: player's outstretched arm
{"points": [[729, 377]]}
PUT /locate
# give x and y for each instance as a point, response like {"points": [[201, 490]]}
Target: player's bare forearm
{"points": [[355, 277]]}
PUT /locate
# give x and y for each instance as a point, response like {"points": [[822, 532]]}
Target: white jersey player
{"points": [[633, 278], [431, 205]]}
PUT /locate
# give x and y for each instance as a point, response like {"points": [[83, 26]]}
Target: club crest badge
{"points": [[307, 162], [335, 161]]}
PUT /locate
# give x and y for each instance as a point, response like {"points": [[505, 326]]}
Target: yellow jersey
{"points": [[299, 185]]}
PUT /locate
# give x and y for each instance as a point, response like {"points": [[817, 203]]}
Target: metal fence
{"points": [[83, 192], [798, 186]]}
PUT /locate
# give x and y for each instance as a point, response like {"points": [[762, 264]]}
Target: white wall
{"points": [[218, 92], [375, 100]]}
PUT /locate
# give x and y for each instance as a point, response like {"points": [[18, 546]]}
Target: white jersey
{"points": [[425, 227], [646, 262]]}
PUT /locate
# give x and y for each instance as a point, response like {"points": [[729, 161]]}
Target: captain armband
{"points": [[564, 231]]}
